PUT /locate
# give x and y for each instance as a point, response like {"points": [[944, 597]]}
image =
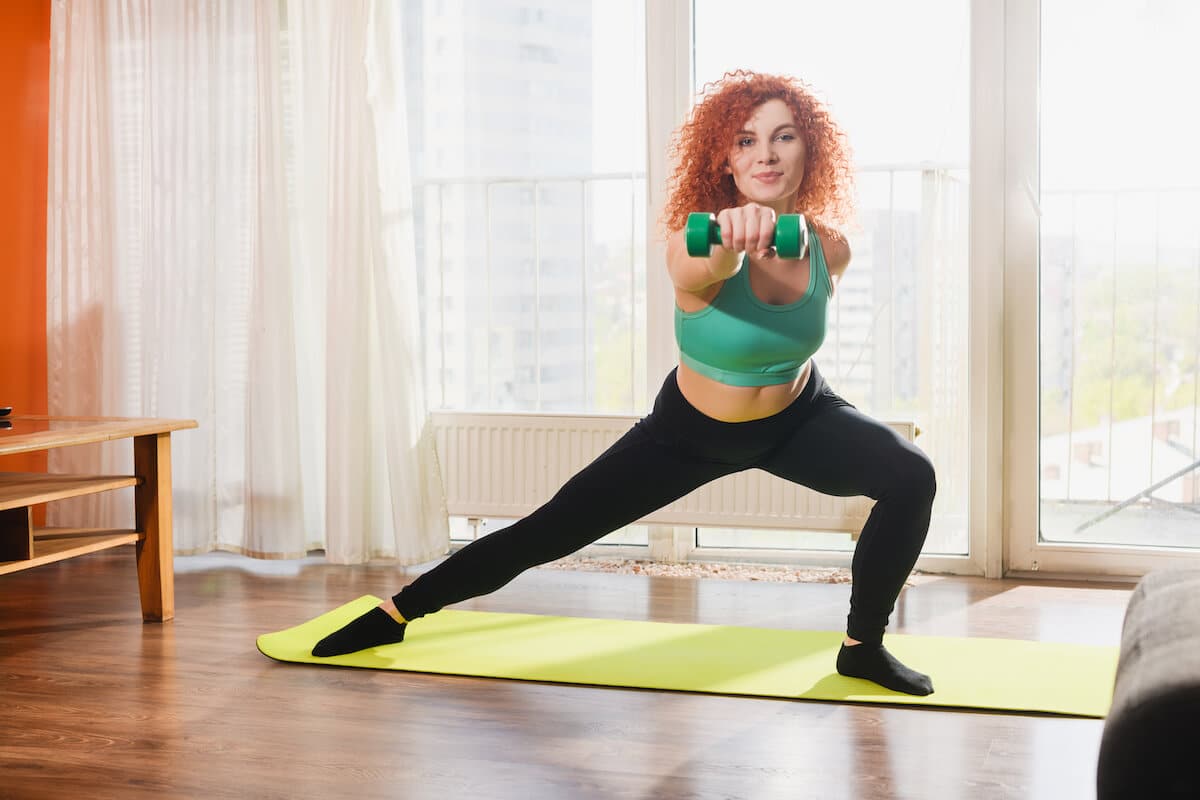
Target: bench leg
{"points": [[16, 534], [155, 550]]}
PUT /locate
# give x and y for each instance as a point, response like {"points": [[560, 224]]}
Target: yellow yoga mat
{"points": [[1000, 674]]}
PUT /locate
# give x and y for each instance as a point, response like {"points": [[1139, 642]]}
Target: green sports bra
{"points": [[739, 340]]}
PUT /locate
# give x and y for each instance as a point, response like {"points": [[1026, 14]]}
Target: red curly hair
{"points": [[701, 150]]}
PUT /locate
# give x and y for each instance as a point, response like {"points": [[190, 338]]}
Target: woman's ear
{"points": [[728, 169]]}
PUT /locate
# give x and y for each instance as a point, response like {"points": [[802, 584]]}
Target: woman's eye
{"points": [[745, 142], [786, 137]]}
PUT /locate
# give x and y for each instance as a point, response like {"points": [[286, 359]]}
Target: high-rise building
{"points": [[499, 90]]}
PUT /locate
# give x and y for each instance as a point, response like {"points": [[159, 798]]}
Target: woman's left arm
{"points": [[837, 255]]}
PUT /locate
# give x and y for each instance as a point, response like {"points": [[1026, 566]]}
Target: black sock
{"points": [[372, 629], [874, 663]]}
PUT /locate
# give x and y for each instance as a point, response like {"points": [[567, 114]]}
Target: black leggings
{"points": [[819, 441]]}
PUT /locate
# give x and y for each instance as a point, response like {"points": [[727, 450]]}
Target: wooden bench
{"points": [[22, 546]]}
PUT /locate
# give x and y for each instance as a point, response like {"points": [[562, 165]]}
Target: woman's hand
{"points": [[749, 228]]}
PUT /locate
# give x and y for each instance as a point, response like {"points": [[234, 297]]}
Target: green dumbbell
{"points": [[790, 240]]}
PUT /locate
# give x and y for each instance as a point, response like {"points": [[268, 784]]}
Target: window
{"points": [[527, 137], [1119, 273], [897, 343]]}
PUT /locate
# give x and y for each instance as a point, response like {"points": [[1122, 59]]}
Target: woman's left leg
{"points": [[844, 453]]}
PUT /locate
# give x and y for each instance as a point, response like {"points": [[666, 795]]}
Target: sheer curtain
{"points": [[942, 256], [231, 241]]}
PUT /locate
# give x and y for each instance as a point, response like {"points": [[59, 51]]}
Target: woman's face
{"points": [[766, 157]]}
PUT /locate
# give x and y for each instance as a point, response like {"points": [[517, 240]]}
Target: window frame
{"points": [[669, 91], [1025, 555]]}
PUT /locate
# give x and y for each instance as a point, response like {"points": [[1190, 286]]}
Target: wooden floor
{"points": [[96, 704]]}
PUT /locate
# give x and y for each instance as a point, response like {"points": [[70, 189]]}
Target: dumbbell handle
{"points": [[790, 238]]}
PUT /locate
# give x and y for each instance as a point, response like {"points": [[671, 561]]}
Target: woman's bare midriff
{"points": [[738, 403]]}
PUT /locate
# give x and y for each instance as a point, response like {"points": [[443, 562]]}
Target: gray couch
{"points": [[1151, 742]]}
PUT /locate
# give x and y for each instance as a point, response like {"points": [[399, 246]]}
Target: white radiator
{"points": [[507, 465]]}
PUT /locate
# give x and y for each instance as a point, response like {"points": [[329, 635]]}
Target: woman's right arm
{"points": [[696, 273], [750, 227]]}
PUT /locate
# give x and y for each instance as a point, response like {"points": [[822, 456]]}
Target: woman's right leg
{"points": [[635, 476]]}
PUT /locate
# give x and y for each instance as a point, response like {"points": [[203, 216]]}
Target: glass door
{"points": [[898, 344], [1119, 284]]}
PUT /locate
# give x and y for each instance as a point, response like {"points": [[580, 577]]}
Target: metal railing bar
{"points": [[537, 301], [1126, 190], [889, 335], [487, 287], [917, 166], [588, 177], [1075, 316], [1112, 345], [1154, 335], [1196, 371], [442, 294], [1130, 501], [583, 260], [633, 287]]}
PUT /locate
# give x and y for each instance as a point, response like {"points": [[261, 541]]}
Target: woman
{"points": [[746, 392]]}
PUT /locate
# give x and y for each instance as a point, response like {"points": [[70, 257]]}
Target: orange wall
{"points": [[25, 98]]}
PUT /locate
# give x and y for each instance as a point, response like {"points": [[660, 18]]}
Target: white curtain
{"points": [[942, 251], [231, 241]]}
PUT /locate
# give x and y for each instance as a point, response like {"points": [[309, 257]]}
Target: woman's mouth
{"points": [[767, 177]]}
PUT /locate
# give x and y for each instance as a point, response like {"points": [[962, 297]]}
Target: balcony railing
{"points": [[1120, 287], [844, 354], [431, 194], [880, 353]]}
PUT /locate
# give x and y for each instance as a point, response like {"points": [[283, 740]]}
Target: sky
{"points": [[1120, 93], [894, 74], [1120, 80]]}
